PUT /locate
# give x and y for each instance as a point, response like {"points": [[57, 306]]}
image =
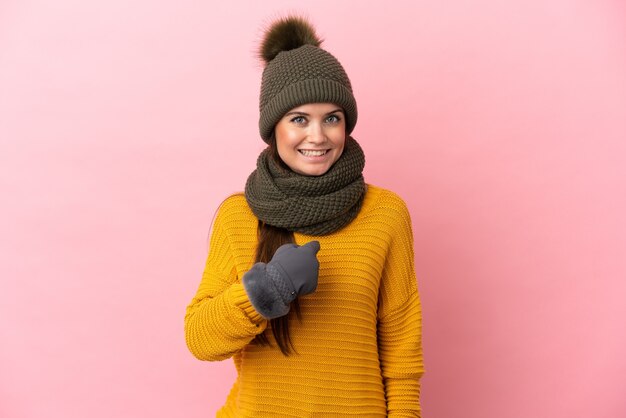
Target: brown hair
{"points": [[270, 238]]}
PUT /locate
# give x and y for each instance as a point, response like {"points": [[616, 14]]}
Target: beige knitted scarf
{"points": [[312, 205]]}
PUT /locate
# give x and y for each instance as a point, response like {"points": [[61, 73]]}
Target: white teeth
{"points": [[309, 153]]}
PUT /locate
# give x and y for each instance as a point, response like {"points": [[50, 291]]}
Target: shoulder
{"points": [[233, 202], [234, 210], [385, 203], [386, 195]]}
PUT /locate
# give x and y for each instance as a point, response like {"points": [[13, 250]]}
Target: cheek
{"points": [[284, 143], [282, 151], [340, 140], [280, 143], [286, 138]]}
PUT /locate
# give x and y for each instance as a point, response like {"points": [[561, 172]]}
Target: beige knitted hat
{"points": [[297, 72]]}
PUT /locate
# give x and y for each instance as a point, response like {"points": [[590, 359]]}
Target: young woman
{"points": [[309, 283]]}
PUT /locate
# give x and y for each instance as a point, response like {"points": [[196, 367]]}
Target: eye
{"points": [[333, 119], [298, 120]]}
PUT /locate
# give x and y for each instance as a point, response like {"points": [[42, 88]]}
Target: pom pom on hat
{"points": [[286, 34], [297, 71]]}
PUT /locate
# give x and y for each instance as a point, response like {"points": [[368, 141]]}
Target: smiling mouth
{"points": [[311, 153]]}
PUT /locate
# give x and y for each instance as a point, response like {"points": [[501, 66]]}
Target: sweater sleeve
{"points": [[220, 320], [399, 319]]}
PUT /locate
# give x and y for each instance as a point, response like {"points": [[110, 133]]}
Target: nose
{"points": [[317, 135]]}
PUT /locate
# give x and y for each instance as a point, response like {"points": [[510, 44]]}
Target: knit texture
{"points": [[358, 346], [303, 75], [325, 203]]}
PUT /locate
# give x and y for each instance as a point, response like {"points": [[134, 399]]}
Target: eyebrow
{"points": [[306, 114]]}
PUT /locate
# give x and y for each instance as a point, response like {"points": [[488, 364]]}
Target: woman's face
{"points": [[311, 137]]}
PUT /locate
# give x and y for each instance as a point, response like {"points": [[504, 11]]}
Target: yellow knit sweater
{"points": [[358, 346]]}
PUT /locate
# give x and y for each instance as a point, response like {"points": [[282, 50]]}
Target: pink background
{"points": [[502, 124]]}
